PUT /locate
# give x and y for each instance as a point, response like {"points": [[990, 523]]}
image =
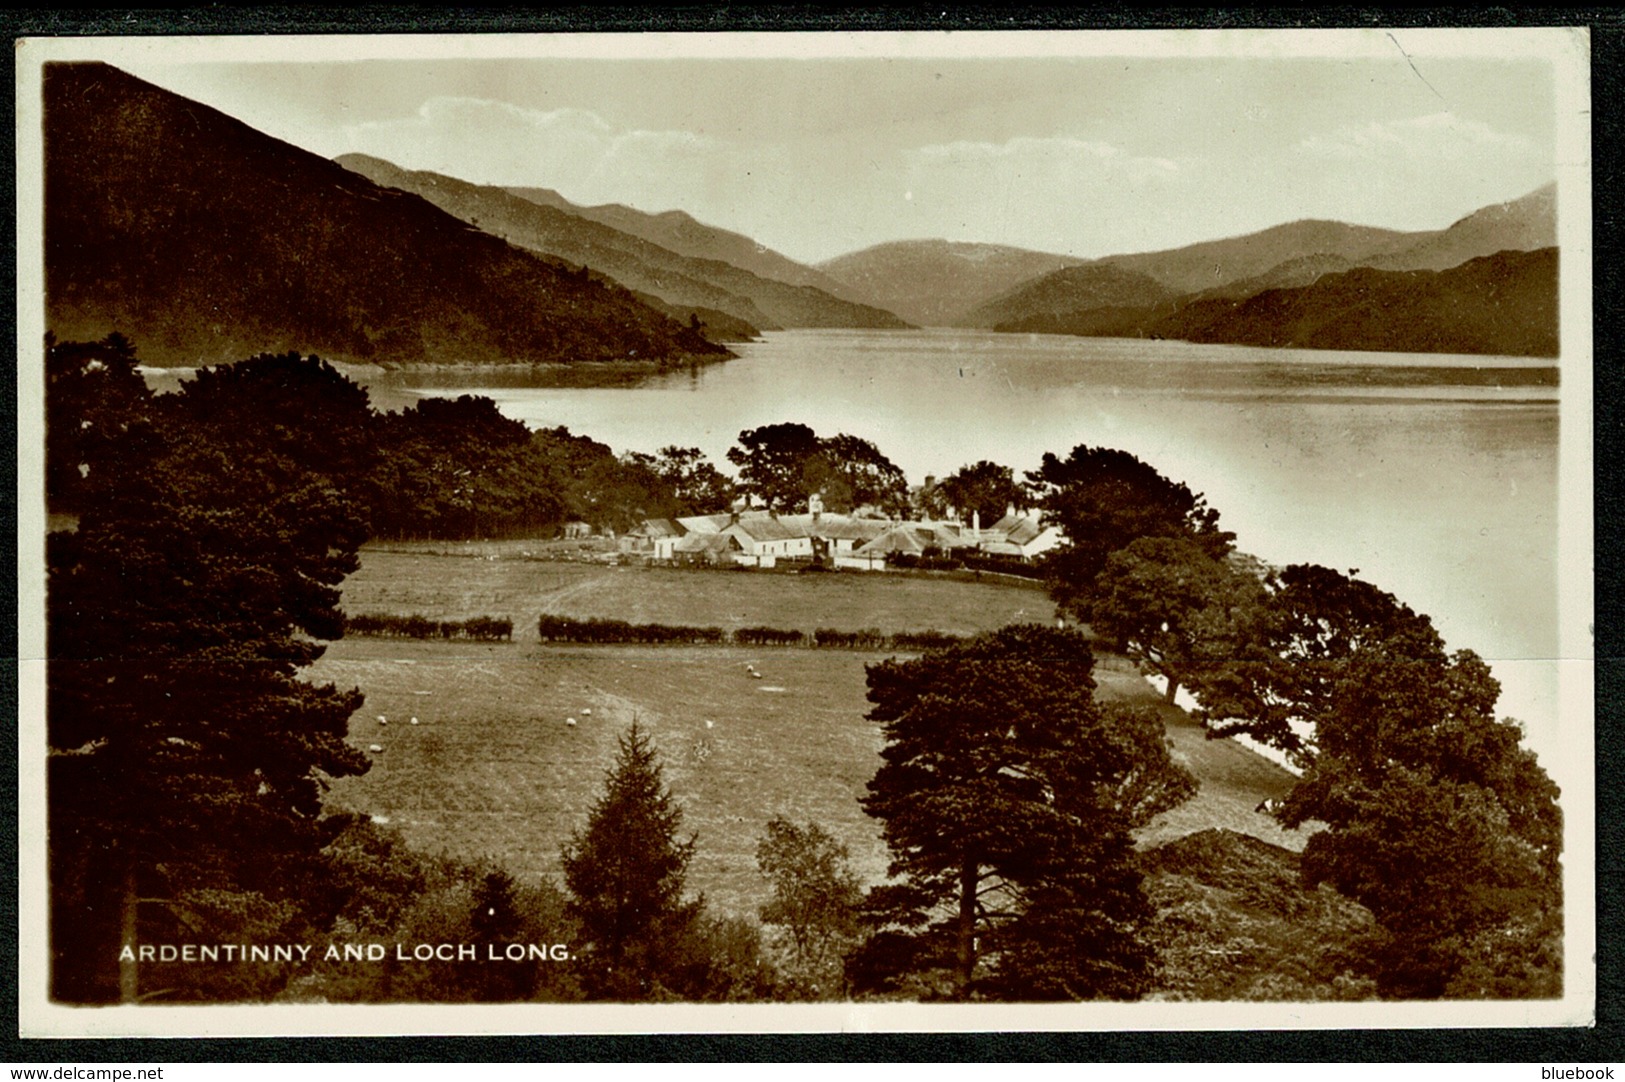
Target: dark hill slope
{"points": [[682, 281], [205, 240], [1504, 304]]}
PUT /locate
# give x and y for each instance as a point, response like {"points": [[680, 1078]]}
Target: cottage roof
{"points": [[1017, 528], [701, 543], [764, 527], [854, 529], [704, 523], [903, 537], [657, 527]]}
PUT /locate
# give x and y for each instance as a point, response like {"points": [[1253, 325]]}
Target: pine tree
{"points": [[626, 872], [1007, 795], [188, 759]]}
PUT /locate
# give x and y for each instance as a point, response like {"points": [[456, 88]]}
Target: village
{"points": [[764, 539]]}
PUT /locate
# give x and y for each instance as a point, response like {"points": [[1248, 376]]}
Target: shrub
{"points": [[385, 625]]}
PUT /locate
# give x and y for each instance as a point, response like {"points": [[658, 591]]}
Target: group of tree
{"points": [[783, 465], [187, 757], [445, 468], [981, 491], [1435, 816]]}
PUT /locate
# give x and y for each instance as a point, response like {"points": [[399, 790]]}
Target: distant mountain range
{"points": [[1463, 289], [706, 286], [1297, 284], [204, 240]]}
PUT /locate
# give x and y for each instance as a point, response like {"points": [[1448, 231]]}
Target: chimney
{"points": [[976, 524], [815, 505]]}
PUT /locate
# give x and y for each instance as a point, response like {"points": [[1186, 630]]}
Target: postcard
{"points": [[805, 532]]}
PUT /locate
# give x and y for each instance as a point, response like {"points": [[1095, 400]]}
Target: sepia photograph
{"points": [[805, 532]]}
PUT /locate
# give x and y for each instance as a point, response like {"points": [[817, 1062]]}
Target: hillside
{"points": [[204, 240], [687, 284], [1197, 267], [1504, 305], [1235, 922], [679, 232], [934, 282], [1066, 292], [1521, 225]]}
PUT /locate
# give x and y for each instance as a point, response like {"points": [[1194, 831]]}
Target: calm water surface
{"points": [[1436, 476]]}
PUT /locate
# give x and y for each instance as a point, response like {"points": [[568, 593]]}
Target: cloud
{"points": [[1045, 156], [1440, 136]]}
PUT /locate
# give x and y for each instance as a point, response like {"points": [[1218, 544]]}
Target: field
{"points": [[500, 581], [493, 770]]}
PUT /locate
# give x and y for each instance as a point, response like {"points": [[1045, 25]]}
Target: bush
{"points": [[923, 640], [1002, 565], [566, 629], [923, 562], [385, 625], [768, 636]]}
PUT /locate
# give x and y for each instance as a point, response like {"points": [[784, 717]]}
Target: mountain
{"points": [[679, 232], [1066, 292], [1503, 304], [1209, 264], [933, 282], [685, 283], [204, 240], [1520, 225]]}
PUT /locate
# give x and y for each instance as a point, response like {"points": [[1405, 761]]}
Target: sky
{"points": [[1086, 145]]}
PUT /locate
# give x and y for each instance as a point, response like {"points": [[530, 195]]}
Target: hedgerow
{"points": [[391, 626]]}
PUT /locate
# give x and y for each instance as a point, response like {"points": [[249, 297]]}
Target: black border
{"points": [[1604, 1042]]}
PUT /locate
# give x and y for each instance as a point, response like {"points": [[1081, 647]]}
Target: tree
{"points": [[815, 900], [869, 477], [771, 461], [1007, 795], [457, 468], [1169, 605], [1103, 500], [782, 465], [93, 394], [697, 487], [1286, 655], [985, 488], [188, 760], [1439, 822], [625, 872]]}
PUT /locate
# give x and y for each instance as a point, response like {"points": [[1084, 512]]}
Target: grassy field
{"points": [[493, 770], [498, 580]]}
